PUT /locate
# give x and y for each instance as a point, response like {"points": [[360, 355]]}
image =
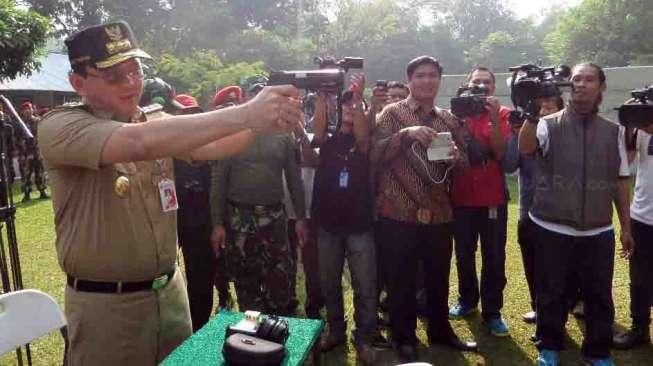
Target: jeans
{"points": [[470, 223], [360, 252], [556, 255], [403, 245], [641, 274]]}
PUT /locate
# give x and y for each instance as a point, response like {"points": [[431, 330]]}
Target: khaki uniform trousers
{"points": [[137, 328]]}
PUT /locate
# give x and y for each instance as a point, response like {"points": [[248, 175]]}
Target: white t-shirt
{"points": [[624, 171], [642, 207]]}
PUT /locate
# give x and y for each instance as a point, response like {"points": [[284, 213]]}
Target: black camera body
{"points": [[530, 82], [345, 64], [637, 113], [469, 101], [269, 327]]}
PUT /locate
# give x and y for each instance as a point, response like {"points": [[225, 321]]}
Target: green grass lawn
{"points": [[41, 271]]}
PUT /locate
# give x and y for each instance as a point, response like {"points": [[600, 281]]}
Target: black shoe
{"points": [[407, 352], [633, 337], [578, 311], [454, 342], [530, 317], [380, 342], [43, 196]]}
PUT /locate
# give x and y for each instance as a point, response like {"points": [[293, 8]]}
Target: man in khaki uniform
{"points": [[114, 200]]}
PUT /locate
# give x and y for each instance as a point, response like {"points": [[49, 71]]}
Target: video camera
{"points": [[637, 112], [469, 101], [329, 77], [530, 82], [344, 64]]}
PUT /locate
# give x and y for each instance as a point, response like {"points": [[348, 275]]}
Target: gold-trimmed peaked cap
{"points": [[104, 45]]}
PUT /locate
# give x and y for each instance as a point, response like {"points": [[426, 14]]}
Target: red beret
{"points": [[230, 92], [26, 104], [185, 101]]}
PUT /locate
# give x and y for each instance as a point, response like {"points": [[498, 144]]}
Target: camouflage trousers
{"points": [[260, 260], [31, 164]]}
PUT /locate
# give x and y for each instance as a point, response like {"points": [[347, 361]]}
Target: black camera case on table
{"points": [[245, 350]]}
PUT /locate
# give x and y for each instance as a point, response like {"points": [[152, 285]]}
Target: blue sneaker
{"points": [[589, 361], [497, 327], [547, 357], [460, 311]]}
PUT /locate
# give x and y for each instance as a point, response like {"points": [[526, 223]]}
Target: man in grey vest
{"points": [[582, 169]]}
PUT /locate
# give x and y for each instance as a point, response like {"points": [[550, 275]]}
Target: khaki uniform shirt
{"points": [[101, 236], [104, 237]]}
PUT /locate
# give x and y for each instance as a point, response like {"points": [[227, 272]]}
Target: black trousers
{"points": [[593, 258], [314, 299], [641, 274], [199, 260], [402, 246], [470, 224], [526, 236], [526, 241]]}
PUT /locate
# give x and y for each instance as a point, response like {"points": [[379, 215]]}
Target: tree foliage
{"points": [[608, 32], [22, 34], [288, 34], [201, 72]]}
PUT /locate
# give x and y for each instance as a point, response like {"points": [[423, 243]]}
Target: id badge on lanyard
{"points": [[344, 178], [167, 190], [168, 195]]}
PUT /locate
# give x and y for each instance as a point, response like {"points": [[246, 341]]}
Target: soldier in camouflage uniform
{"points": [[258, 249], [250, 225], [29, 157], [9, 142]]}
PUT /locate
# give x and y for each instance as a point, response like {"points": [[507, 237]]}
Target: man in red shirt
{"points": [[479, 198]]}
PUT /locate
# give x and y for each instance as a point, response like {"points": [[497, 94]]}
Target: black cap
{"points": [[103, 45]]}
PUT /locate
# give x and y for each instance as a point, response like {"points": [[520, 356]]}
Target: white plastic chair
{"points": [[26, 315]]}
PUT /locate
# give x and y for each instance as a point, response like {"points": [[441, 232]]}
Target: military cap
{"points": [[103, 45], [231, 93], [186, 103]]}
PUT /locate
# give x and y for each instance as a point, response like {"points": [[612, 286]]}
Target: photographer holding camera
{"points": [[342, 210], [581, 170], [641, 218], [514, 161], [479, 197], [413, 208]]}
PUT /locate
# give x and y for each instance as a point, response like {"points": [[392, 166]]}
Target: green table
{"points": [[205, 346]]}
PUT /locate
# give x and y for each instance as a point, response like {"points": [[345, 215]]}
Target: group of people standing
{"points": [[25, 150], [361, 189]]}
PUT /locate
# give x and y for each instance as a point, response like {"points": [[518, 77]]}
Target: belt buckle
{"points": [[160, 282]]}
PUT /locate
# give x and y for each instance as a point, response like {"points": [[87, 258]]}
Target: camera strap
{"points": [[476, 152]]}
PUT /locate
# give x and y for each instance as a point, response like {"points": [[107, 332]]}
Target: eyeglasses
{"points": [[116, 75]]}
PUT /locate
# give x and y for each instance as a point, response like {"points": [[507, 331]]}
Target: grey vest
{"points": [[576, 181]]}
